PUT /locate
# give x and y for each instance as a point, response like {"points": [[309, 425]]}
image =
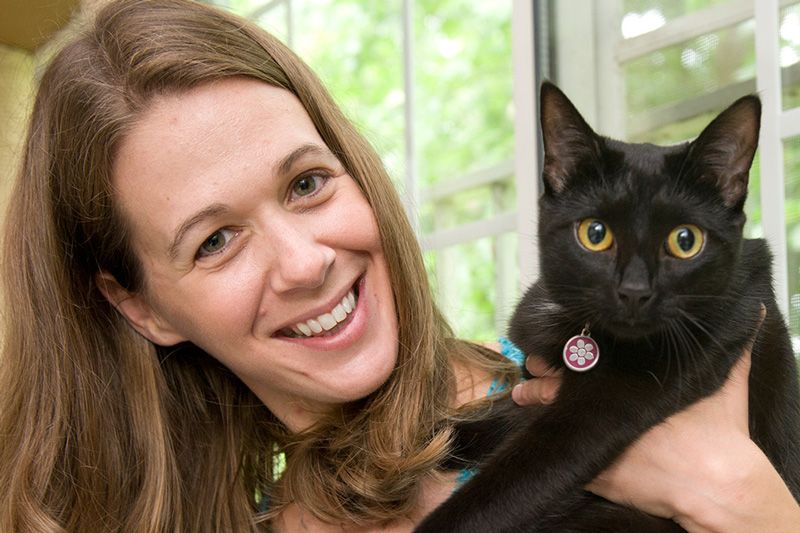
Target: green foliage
{"points": [[463, 110], [462, 120]]}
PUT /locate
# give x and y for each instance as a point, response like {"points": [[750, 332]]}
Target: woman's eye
{"points": [[594, 235], [216, 242], [307, 185], [685, 241]]}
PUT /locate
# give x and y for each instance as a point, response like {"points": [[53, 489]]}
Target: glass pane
{"points": [[792, 192], [643, 16], [355, 47], [472, 280], [752, 208], [467, 206], [463, 86], [276, 21], [696, 67], [790, 55]]}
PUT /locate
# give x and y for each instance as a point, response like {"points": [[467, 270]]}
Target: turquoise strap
{"points": [[464, 475], [510, 351]]}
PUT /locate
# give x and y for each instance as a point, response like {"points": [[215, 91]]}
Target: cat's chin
{"points": [[632, 331]]}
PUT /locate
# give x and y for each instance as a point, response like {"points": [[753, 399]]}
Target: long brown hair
{"points": [[103, 431]]}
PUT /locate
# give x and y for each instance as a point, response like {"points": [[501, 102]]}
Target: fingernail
{"points": [[516, 392]]}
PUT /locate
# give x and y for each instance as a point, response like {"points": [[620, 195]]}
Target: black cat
{"points": [[642, 246]]}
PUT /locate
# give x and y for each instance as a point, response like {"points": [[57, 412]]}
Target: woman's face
{"points": [[257, 246]]}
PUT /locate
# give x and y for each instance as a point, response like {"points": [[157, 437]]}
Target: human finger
{"points": [[538, 367], [535, 391]]}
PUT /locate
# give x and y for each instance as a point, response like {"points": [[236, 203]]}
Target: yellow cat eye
{"points": [[595, 235], [685, 242]]}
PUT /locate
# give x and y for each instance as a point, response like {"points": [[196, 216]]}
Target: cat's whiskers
{"points": [[683, 340], [711, 367], [687, 343], [668, 337]]}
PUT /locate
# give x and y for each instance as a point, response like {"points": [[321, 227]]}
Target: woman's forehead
{"points": [[230, 122], [230, 103]]}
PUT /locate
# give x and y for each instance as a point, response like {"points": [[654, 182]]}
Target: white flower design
{"points": [[581, 352]]}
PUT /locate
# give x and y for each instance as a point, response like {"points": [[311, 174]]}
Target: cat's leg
{"points": [[477, 439], [560, 452], [592, 514]]}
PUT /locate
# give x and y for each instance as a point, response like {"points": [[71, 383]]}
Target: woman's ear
{"points": [[137, 311]]}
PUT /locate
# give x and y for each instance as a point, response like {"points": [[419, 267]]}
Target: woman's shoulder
{"points": [[475, 382], [472, 383]]}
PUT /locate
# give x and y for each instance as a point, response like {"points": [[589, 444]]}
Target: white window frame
{"points": [[602, 102], [523, 166], [601, 91]]}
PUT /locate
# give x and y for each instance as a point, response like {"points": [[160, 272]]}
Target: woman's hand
{"points": [[543, 388], [700, 468]]}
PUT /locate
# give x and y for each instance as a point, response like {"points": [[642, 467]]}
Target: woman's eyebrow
{"points": [[285, 164], [210, 211]]}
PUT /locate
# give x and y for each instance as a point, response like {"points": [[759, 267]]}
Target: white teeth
{"points": [[315, 326], [339, 313], [327, 321]]}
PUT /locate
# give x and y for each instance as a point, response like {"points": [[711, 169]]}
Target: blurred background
{"points": [[446, 91]]}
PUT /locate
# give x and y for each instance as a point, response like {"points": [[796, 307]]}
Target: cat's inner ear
{"points": [[568, 140], [723, 153]]}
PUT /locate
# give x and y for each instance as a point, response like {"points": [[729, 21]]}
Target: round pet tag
{"points": [[581, 353]]}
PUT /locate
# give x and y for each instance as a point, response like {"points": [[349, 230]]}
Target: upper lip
{"points": [[319, 310]]}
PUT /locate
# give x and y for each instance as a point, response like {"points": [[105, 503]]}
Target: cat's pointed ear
{"points": [[566, 136], [723, 152]]}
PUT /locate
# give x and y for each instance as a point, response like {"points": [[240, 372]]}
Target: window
{"points": [[429, 82], [659, 70], [445, 90]]}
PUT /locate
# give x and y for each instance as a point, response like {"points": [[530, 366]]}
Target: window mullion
{"points": [[412, 173], [768, 83], [526, 165]]}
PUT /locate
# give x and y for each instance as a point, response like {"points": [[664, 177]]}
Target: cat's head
{"points": [[632, 236]]}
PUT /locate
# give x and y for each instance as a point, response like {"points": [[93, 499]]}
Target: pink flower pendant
{"points": [[581, 352]]}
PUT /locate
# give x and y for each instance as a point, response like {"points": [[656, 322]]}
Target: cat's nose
{"points": [[634, 298]]}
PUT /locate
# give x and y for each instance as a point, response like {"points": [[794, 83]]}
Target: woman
{"points": [[208, 271]]}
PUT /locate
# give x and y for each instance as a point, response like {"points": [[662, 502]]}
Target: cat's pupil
{"points": [[596, 232], [685, 239]]}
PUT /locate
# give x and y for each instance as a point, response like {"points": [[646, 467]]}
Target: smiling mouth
{"points": [[328, 323]]}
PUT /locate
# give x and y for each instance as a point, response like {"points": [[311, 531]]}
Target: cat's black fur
{"points": [[669, 329]]}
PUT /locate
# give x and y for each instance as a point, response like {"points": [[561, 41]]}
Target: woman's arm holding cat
{"points": [[701, 469]]}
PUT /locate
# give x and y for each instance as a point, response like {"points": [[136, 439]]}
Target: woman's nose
{"points": [[300, 260]]}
